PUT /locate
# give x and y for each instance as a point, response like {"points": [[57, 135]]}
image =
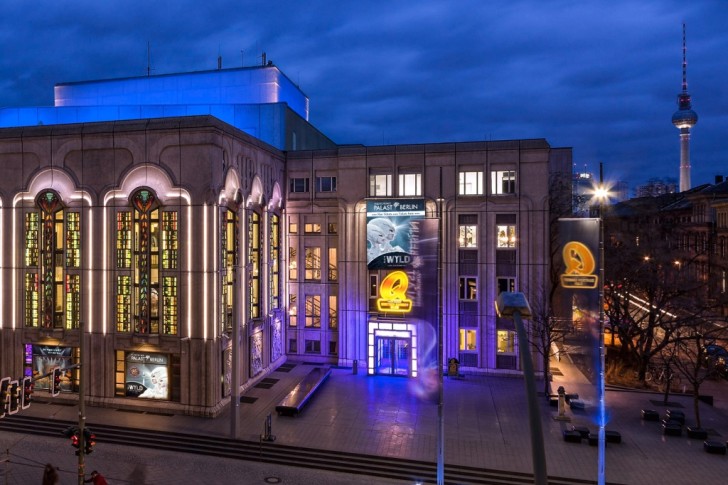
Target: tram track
{"points": [[274, 453]]}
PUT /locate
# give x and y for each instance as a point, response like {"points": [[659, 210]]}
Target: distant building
{"points": [[656, 187], [202, 231]]}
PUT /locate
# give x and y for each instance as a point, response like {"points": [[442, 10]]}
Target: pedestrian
{"points": [[96, 479], [50, 475]]}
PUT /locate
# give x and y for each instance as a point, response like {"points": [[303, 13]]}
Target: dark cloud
{"points": [[601, 77]]}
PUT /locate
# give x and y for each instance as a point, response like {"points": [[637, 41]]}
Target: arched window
{"points": [[52, 261], [146, 263]]}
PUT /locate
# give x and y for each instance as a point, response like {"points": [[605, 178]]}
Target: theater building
{"points": [[197, 231]]}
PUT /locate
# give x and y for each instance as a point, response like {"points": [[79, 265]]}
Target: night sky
{"points": [[599, 76]]}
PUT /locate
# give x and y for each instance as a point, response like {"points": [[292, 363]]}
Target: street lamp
{"points": [[515, 305], [601, 194]]}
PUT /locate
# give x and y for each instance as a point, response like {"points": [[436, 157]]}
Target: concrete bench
{"points": [[714, 447], [300, 395]]}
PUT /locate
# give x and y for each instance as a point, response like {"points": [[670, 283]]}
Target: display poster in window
{"points": [[389, 231], [147, 375], [44, 358]]}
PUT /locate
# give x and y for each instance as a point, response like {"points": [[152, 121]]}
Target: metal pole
{"points": [[440, 357], [602, 359], [81, 401], [538, 454]]}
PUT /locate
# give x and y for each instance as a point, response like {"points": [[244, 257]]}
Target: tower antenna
{"points": [[684, 119]]}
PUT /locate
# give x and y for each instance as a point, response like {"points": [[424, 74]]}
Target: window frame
{"points": [[466, 182]]}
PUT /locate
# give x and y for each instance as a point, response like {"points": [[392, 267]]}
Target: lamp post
{"points": [[515, 305], [601, 194]]}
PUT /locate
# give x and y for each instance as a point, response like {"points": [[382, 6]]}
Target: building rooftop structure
{"points": [[260, 100]]}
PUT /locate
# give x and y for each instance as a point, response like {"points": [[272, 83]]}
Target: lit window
{"points": [[254, 244], [333, 265], [471, 183], [506, 284], [468, 288], [292, 263], [326, 184], [380, 185], [333, 312], [506, 236], [312, 263], [468, 236], [468, 339], [312, 228], [503, 182], [313, 311], [506, 342], [229, 252], [410, 184], [274, 257], [299, 185], [293, 228], [292, 310], [52, 259]]}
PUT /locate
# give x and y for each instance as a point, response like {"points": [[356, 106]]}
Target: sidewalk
{"points": [[486, 425]]}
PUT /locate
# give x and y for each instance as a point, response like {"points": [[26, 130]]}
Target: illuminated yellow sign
{"points": [[580, 265], [393, 293]]}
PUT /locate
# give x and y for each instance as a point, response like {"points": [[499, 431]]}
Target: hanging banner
{"points": [[579, 279], [389, 231]]}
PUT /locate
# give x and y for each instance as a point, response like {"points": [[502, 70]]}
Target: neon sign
{"points": [[393, 293]]}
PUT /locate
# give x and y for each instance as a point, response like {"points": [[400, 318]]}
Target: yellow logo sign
{"points": [[580, 265], [393, 293]]}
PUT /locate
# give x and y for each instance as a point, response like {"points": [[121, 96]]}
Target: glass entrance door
{"points": [[393, 356]]}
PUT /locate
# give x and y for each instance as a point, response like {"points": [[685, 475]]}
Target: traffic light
{"points": [[4, 395], [14, 397], [55, 381], [89, 441], [27, 392], [73, 433]]}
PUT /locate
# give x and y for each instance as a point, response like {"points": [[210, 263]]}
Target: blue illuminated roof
{"points": [[253, 99]]}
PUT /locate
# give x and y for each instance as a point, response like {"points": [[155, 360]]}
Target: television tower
{"points": [[684, 119]]}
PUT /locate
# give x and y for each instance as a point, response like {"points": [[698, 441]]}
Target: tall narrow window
{"points": [[313, 263], [292, 310], [292, 264], [468, 236], [313, 311], [230, 248], [254, 244], [333, 265], [52, 259], [468, 288], [146, 263], [275, 261], [333, 313]]}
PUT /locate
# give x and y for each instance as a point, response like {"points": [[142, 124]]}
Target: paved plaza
{"points": [[486, 426]]}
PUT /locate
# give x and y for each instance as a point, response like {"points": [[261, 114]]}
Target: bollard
{"points": [[267, 430], [355, 367]]}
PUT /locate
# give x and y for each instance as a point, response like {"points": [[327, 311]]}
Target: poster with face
{"points": [[147, 375], [389, 231]]}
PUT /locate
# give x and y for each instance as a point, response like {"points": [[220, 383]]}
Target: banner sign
{"points": [[147, 375], [389, 231]]}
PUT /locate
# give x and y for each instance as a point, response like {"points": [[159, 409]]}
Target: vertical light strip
{"points": [[2, 266], [215, 270], [104, 272], [188, 248], [205, 317], [15, 266], [89, 321]]}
